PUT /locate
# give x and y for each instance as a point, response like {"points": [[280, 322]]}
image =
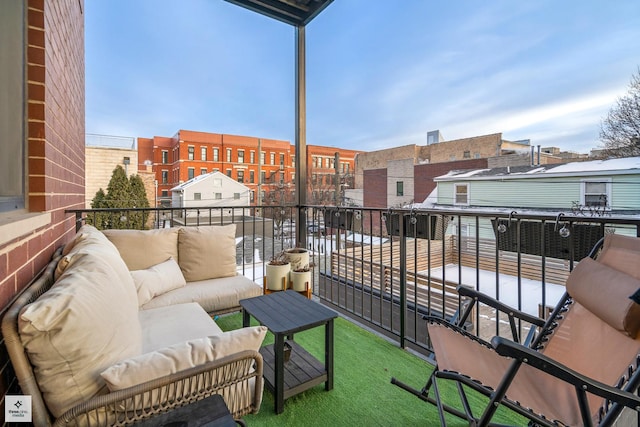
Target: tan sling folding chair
{"points": [[582, 365]]}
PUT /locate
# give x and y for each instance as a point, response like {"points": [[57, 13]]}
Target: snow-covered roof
{"points": [[627, 165]]}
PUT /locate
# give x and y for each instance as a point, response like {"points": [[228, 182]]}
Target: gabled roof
{"points": [[201, 178], [623, 166], [294, 12]]}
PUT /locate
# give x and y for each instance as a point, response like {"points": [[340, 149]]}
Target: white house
{"points": [[212, 190]]}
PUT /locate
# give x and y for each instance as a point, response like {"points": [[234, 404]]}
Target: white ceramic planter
{"points": [[278, 277], [297, 257], [300, 280]]}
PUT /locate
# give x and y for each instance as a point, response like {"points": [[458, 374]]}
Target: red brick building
{"points": [[266, 166], [46, 38]]}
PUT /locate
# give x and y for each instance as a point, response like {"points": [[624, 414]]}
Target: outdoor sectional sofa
{"points": [[118, 329]]}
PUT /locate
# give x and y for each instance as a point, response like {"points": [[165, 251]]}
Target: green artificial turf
{"points": [[363, 394]]}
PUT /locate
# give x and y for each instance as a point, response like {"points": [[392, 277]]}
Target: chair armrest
{"points": [[230, 377], [478, 296], [508, 348]]}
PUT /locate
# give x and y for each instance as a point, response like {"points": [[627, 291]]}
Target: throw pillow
{"points": [[606, 292], [157, 280], [141, 249], [207, 252], [178, 357]]}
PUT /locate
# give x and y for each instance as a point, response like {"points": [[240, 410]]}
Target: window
{"points": [[197, 196], [240, 156], [252, 157], [203, 171], [192, 151], [262, 177], [252, 177], [165, 177], [596, 193], [236, 196], [228, 154], [12, 87], [399, 188], [240, 176], [262, 154], [190, 173], [203, 153], [272, 158], [229, 173], [466, 154], [461, 196], [216, 155], [217, 196], [164, 193], [252, 195], [165, 157], [281, 177], [281, 160]]}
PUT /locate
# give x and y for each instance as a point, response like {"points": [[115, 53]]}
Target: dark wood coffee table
{"points": [[286, 313]]}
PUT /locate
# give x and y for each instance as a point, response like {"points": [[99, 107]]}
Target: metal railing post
{"points": [[403, 279]]}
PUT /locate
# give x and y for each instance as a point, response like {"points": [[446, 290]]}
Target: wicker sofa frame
{"points": [[231, 377]]}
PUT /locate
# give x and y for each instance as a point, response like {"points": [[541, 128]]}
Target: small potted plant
{"points": [[300, 277], [277, 273], [297, 257]]}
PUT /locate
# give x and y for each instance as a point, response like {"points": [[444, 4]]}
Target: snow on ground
{"points": [[531, 290]]}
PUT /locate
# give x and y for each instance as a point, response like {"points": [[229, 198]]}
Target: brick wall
{"points": [[55, 147], [424, 174]]}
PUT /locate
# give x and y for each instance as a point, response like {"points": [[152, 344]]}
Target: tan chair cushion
{"points": [[207, 252], [85, 323], [157, 280], [181, 356], [606, 293], [212, 294], [165, 326], [141, 249], [622, 253]]}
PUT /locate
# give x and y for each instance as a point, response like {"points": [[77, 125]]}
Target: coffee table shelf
{"points": [[301, 372]]}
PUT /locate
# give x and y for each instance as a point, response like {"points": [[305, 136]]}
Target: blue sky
{"points": [[380, 73]]}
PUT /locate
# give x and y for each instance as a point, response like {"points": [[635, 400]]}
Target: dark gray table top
{"points": [[287, 312]]}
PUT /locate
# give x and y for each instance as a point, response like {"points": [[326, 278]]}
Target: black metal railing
{"points": [[388, 268]]}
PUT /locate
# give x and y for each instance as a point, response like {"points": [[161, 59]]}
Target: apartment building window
{"points": [[281, 177], [252, 177], [12, 70], [164, 193], [228, 154], [192, 151], [252, 195], [203, 153], [236, 196], [215, 170], [165, 177], [229, 173], [272, 158], [191, 173], [165, 157], [399, 188], [461, 196], [216, 155], [314, 161], [596, 193], [197, 196], [262, 156], [217, 196], [241, 176], [281, 160], [263, 176], [252, 157], [466, 154], [203, 171], [240, 156]]}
